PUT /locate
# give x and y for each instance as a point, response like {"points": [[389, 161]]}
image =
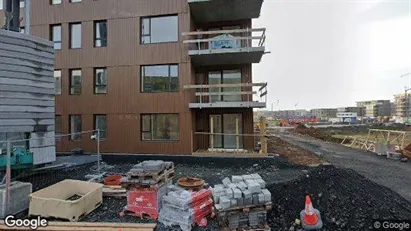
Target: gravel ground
{"points": [[392, 174], [346, 200]]}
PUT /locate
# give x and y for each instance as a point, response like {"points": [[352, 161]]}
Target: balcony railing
{"points": [[226, 39], [229, 95]]}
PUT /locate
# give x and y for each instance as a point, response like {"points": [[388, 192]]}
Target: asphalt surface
{"points": [[392, 174]]}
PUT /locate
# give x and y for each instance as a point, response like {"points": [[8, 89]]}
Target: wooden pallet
{"points": [[244, 209], [87, 226], [156, 177], [114, 191], [149, 175], [144, 216]]}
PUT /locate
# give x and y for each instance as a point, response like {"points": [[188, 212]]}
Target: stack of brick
{"points": [[147, 183], [185, 208], [239, 192]]}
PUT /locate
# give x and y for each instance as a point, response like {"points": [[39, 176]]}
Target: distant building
{"points": [[347, 117], [402, 107], [324, 113], [287, 114], [376, 108], [359, 110]]}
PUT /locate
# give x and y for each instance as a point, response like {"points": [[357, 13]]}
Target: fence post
{"points": [[8, 176], [98, 151]]}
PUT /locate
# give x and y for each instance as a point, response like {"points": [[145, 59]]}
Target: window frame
{"points": [[71, 34], [95, 33], [142, 34], [142, 76], [71, 85], [152, 119], [75, 1], [95, 126], [95, 80], [52, 36], [55, 79], [80, 136]]}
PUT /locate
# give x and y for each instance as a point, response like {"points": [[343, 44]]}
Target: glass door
{"points": [[231, 77], [214, 78], [217, 122]]}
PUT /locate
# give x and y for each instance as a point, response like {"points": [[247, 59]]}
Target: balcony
{"points": [[204, 11], [240, 95], [225, 47]]}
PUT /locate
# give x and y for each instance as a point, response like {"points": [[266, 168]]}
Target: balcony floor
{"points": [[226, 56], [221, 10]]}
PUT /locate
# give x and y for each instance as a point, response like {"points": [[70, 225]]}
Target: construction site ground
{"points": [[355, 189]]}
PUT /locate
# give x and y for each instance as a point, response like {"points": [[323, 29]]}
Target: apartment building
{"points": [[402, 104], [155, 76], [324, 113], [360, 111], [376, 108]]}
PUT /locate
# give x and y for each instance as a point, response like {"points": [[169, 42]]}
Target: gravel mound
{"points": [[346, 200]]}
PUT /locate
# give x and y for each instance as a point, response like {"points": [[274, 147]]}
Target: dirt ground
{"points": [[293, 153], [347, 200]]}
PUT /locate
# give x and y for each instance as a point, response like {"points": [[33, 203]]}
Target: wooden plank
{"points": [[226, 134], [205, 86], [226, 93], [222, 39], [222, 31]]}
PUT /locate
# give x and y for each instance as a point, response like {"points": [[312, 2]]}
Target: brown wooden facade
{"points": [[124, 102]]}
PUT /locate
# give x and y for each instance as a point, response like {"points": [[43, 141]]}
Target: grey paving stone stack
{"points": [[147, 167], [238, 192]]}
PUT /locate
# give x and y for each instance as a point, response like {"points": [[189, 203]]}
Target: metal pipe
{"points": [[98, 151], [8, 176], [27, 10]]}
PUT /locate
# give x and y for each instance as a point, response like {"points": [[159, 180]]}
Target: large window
{"points": [[100, 33], [75, 82], [74, 1], [75, 127], [159, 29], [55, 36], [225, 77], [100, 122], [58, 126], [55, 2], [159, 78], [75, 35], [100, 80], [159, 127], [57, 82]]}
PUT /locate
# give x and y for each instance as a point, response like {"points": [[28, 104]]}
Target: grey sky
{"points": [[333, 53]]}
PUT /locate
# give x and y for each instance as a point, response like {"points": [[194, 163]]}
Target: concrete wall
{"points": [[27, 90]]}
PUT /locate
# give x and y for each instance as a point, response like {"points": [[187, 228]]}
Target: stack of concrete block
{"points": [[244, 220], [185, 208], [152, 166], [139, 173], [240, 191]]}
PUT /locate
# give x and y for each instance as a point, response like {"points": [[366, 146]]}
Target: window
{"points": [[74, 1], [1, 7], [55, 36], [100, 80], [159, 78], [55, 2], [22, 2], [75, 35], [57, 82], [75, 127], [159, 29], [100, 122], [22, 30], [159, 127], [58, 126], [100, 33], [75, 82]]}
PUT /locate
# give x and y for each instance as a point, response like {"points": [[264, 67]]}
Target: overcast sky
{"points": [[332, 53]]}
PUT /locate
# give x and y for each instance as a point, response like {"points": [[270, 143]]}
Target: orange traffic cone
{"points": [[310, 217]]}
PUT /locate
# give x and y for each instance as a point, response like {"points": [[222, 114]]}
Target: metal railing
{"points": [[211, 93], [225, 39]]}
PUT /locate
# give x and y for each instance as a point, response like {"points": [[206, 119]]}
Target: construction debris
{"points": [[19, 198], [242, 202], [185, 208]]}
